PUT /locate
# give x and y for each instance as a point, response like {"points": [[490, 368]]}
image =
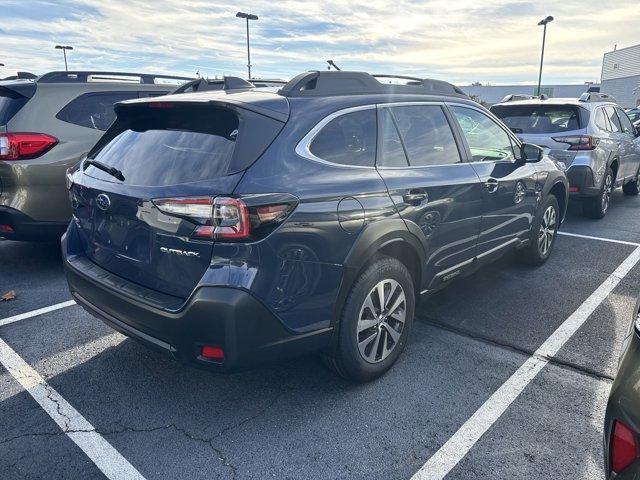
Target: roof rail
{"points": [[596, 97], [204, 84], [514, 97], [328, 83], [108, 77]]}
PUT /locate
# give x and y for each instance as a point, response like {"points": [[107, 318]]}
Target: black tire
{"points": [[542, 236], [346, 358], [631, 188], [598, 206]]}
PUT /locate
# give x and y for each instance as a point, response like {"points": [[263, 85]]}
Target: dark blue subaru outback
{"points": [[236, 227]]}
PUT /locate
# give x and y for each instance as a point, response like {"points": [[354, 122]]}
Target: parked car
{"points": [[634, 114], [48, 124], [230, 229], [622, 419], [592, 136]]}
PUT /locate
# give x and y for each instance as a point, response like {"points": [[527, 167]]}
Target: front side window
{"points": [[624, 120], [613, 119], [426, 134], [94, 110], [349, 139], [487, 140]]}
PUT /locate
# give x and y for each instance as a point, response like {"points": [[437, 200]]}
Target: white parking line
{"points": [[457, 447], [77, 428], [35, 313], [602, 239]]}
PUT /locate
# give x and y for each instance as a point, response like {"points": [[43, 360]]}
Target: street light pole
{"points": [[247, 17], [64, 49], [543, 22]]}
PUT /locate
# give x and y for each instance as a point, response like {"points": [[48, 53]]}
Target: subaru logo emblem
{"points": [[103, 201]]}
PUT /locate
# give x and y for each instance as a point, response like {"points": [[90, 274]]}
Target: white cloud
{"points": [[461, 41]]}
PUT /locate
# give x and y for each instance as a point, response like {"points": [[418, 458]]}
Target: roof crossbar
{"points": [[86, 76], [329, 83]]}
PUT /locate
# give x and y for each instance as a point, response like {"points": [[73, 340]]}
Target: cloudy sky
{"points": [[457, 40]]}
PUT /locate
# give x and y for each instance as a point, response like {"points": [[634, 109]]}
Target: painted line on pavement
{"points": [[78, 429], [602, 239], [35, 313], [457, 447]]}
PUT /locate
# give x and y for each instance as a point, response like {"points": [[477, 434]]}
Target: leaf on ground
{"points": [[11, 295]]}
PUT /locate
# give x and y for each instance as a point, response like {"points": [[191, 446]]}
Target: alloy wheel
{"points": [[381, 320], [606, 193], [547, 230]]}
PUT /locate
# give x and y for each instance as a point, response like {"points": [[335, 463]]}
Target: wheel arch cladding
{"points": [[614, 168], [560, 192]]}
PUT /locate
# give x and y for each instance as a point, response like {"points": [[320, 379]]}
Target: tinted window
{"points": [[538, 118], [601, 120], [426, 134], [392, 150], [613, 119], [171, 147], [9, 106], [487, 140], [349, 139], [93, 110], [634, 115], [624, 120]]}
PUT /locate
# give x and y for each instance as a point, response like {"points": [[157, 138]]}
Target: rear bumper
{"points": [[26, 228], [230, 318], [581, 181]]}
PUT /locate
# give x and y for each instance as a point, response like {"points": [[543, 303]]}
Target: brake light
{"points": [[579, 142], [24, 146], [226, 218], [624, 447]]}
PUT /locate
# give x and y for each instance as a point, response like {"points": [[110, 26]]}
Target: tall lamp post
{"points": [[543, 22], [247, 17], [64, 49]]}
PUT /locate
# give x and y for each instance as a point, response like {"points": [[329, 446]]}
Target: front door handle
{"points": [[491, 185], [415, 197]]}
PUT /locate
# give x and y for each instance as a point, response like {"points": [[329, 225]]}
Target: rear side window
{"points": [[616, 126], [9, 106], [539, 119], [93, 110], [169, 146], [349, 139], [426, 135], [392, 151], [601, 120]]}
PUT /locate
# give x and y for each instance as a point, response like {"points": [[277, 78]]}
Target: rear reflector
{"points": [[624, 447], [5, 228], [24, 146], [212, 353], [573, 189]]}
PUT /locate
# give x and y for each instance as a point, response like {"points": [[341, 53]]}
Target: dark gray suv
{"points": [[47, 125]]}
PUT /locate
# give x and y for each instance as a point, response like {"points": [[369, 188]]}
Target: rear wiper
{"points": [[114, 172]]}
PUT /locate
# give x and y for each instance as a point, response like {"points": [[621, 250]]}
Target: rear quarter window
{"points": [[9, 106], [94, 110]]}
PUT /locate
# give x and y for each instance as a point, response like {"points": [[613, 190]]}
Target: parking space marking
{"points": [[78, 429], [35, 313], [457, 447], [602, 239]]}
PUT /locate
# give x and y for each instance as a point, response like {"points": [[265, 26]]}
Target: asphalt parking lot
{"points": [[99, 402]]}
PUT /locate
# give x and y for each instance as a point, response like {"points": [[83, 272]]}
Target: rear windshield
{"points": [[539, 119], [169, 146], [9, 106]]}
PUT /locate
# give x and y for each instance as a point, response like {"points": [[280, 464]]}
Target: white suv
{"points": [[591, 135]]}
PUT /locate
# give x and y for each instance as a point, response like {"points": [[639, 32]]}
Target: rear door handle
{"points": [[491, 185], [415, 197]]}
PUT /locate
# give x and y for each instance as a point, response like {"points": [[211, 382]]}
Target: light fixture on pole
{"points": [[247, 17], [64, 49], [543, 22]]}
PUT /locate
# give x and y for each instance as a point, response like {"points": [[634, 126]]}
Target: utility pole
{"points": [[543, 22], [247, 17]]}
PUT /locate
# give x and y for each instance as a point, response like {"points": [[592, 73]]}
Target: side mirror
{"points": [[531, 153]]}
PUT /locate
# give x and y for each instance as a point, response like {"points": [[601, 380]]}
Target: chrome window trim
{"points": [[303, 146]]}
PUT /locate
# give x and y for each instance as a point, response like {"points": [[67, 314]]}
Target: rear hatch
{"points": [[151, 224], [539, 124]]}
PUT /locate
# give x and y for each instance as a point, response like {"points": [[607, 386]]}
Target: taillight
{"points": [[579, 142], [226, 218], [624, 447], [24, 146]]}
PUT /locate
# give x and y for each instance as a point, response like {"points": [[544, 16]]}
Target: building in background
{"points": [[491, 94], [621, 75]]}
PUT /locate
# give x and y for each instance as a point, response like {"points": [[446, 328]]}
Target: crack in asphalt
{"points": [[580, 369]]}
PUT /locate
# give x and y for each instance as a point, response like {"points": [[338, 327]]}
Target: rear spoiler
{"points": [[23, 89]]}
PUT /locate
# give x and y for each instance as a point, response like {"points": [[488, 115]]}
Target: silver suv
{"points": [[47, 125], [591, 135]]}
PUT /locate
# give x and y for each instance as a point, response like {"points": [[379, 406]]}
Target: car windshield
{"points": [[539, 119]]}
